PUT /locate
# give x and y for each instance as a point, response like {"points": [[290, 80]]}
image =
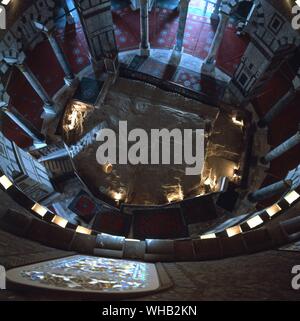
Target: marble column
{"points": [[242, 26], [215, 15], [184, 7], [69, 17], [135, 4], [17, 59], [60, 55], [62, 59], [144, 28], [281, 104], [282, 148], [178, 48], [270, 191], [209, 63], [49, 108], [58, 154]]}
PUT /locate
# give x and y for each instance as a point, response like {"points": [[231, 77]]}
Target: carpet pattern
{"points": [[192, 80]]}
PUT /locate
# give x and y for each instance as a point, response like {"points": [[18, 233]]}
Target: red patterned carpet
{"points": [[163, 26]]}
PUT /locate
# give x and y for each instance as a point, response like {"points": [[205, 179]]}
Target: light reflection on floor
{"points": [[87, 273]]}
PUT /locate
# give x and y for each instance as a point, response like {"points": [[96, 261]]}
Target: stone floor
{"points": [[262, 276]]}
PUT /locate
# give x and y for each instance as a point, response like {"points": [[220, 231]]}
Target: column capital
{"points": [[14, 57], [21, 67], [4, 100], [44, 28], [224, 16]]}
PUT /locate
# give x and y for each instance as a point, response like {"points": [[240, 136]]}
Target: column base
{"points": [[112, 65], [175, 57], [240, 29], [37, 145], [98, 66], [145, 52], [54, 155], [262, 124], [251, 199], [110, 80], [49, 112], [264, 162], [70, 19], [214, 17], [208, 68], [70, 82]]}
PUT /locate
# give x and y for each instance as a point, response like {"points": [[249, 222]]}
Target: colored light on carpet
{"points": [[88, 274]]}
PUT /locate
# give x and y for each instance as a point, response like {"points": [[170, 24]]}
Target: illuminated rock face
{"points": [[144, 107], [140, 183]]}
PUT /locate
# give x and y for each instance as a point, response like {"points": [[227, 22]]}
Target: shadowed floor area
{"points": [[262, 276]]}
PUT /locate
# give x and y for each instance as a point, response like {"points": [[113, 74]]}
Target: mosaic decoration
{"points": [[87, 273]]}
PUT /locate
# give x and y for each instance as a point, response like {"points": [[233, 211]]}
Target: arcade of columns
{"points": [[260, 58]]}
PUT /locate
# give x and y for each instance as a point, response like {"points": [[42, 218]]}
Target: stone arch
{"points": [[23, 34]]}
